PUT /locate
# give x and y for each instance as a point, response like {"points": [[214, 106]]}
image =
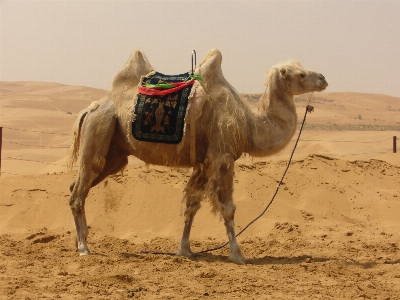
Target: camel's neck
{"points": [[274, 122]]}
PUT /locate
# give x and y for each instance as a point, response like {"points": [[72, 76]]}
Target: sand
{"points": [[332, 232]]}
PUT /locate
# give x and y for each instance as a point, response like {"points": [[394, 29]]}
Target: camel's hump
{"points": [[130, 74], [210, 69], [138, 65]]}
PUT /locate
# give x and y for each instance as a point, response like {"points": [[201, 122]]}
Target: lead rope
{"points": [[309, 109]]}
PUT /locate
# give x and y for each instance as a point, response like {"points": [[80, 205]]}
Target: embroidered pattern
{"points": [[160, 118]]}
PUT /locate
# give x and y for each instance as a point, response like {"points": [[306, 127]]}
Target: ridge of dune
{"points": [[37, 118]]}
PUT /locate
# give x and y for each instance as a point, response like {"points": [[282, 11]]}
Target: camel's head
{"points": [[295, 80]]}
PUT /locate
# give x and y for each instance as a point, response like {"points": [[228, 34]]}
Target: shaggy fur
{"points": [[223, 129]]}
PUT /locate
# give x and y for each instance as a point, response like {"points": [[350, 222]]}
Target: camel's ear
{"points": [[283, 73]]}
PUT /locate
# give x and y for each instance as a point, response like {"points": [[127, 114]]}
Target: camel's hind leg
{"points": [[112, 166], [96, 134], [115, 162], [193, 195]]}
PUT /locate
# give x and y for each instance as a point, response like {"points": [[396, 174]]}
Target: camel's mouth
{"points": [[321, 86]]}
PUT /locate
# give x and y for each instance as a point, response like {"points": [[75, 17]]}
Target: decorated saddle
{"points": [[161, 107]]}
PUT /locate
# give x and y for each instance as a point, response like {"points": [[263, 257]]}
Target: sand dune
{"points": [[332, 232]]}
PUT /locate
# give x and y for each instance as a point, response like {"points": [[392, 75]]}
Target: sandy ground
{"points": [[332, 232]]}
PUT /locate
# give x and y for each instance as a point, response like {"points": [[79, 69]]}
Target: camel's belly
{"points": [[163, 154]]}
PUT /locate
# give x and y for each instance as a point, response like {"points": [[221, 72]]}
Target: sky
{"points": [[355, 44]]}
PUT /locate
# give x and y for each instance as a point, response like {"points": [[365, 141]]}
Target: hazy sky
{"points": [[355, 44]]}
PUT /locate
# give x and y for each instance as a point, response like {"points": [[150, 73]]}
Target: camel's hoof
{"points": [[240, 260], [185, 253], [85, 252]]}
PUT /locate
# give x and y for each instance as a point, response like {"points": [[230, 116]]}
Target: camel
{"points": [[228, 127]]}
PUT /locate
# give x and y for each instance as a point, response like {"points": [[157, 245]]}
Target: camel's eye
{"points": [[302, 75]]}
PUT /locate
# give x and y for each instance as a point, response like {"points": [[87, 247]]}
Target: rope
{"points": [[309, 109]]}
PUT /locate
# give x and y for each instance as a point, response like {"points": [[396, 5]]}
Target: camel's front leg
{"points": [[192, 206], [193, 196], [234, 248], [224, 193]]}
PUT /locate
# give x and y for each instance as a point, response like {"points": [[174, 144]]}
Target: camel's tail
{"points": [[76, 131]]}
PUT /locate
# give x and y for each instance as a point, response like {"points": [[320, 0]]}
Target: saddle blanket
{"points": [[160, 113]]}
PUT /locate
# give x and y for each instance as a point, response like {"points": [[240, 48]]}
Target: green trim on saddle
{"points": [[165, 85]]}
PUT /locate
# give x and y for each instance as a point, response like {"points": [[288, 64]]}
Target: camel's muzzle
{"points": [[322, 83]]}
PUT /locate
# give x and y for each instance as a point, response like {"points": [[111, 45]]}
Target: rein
{"points": [[309, 109]]}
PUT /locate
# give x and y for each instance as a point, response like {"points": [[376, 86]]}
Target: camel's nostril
{"points": [[321, 76]]}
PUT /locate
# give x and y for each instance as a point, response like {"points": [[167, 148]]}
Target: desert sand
{"points": [[332, 232]]}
